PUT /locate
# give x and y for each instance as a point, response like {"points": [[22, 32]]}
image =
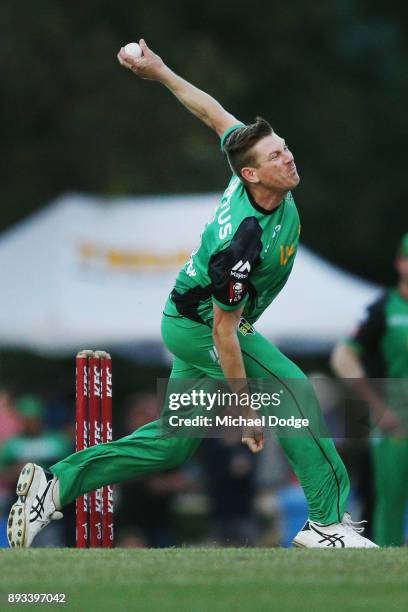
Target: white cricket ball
{"points": [[134, 50]]}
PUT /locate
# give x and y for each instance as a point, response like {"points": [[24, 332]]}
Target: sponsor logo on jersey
{"points": [[241, 270], [245, 328], [236, 291]]}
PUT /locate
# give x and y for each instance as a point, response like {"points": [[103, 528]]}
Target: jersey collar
{"points": [[263, 211]]}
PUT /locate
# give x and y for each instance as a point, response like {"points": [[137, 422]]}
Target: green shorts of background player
{"points": [[390, 462]]}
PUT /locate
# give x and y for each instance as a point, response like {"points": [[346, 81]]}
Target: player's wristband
{"points": [[228, 132]]}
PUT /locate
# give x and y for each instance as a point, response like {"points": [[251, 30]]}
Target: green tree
{"points": [[330, 75]]}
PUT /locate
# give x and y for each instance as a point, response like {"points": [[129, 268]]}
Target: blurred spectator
{"points": [[379, 349], [10, 425], [37, 445], [10, 419], [230, 468], [329, 394], [32, 443], [144, 517]]}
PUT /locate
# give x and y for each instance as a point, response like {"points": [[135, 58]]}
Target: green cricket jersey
{"points": [[382, 342], [245, 257], [382, 338]]}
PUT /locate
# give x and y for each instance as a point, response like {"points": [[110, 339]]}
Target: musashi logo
{"points": [[241, 269]]}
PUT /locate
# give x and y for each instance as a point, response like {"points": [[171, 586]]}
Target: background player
{"points": [[379, 348], [244, 260]]}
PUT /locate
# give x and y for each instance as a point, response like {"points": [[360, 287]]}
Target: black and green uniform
{"points": [[244, 259], [381, 341]]}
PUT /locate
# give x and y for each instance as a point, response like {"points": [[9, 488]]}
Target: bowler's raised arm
{"points": [[151, 66]]}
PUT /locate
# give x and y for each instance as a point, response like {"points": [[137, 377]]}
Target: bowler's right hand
{"points": [[148, 66], [253, 437]]}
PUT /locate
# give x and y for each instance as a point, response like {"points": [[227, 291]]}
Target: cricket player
{"points": [[244, 260], [379, 349]]}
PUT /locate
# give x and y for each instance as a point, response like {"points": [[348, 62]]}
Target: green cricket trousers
{"points": [[313, 458], [390, 462]]}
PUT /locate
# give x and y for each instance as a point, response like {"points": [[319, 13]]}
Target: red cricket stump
{"points": [[82, 442], [94, 511], [107, 491], [95, 498]]}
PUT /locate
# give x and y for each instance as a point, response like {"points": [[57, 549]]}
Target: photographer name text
{"points": [[238, 421]]}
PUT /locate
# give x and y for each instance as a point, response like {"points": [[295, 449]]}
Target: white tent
{"points": [[96, 272]]}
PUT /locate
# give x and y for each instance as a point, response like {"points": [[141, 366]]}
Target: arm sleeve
{"points": [[228, 132], [230, 269], [366, 339]]}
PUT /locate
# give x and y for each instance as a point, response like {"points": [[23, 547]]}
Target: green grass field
{"points": [[190, 579]]}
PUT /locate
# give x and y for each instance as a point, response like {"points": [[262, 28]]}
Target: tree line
{"points": [[330, 76]]}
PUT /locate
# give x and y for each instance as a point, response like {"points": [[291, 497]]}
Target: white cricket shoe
{"points": [[338, 535], [34, 508]]}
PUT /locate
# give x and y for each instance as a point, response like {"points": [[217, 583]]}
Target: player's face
{"points": [[401, 265], [275, 167]]}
